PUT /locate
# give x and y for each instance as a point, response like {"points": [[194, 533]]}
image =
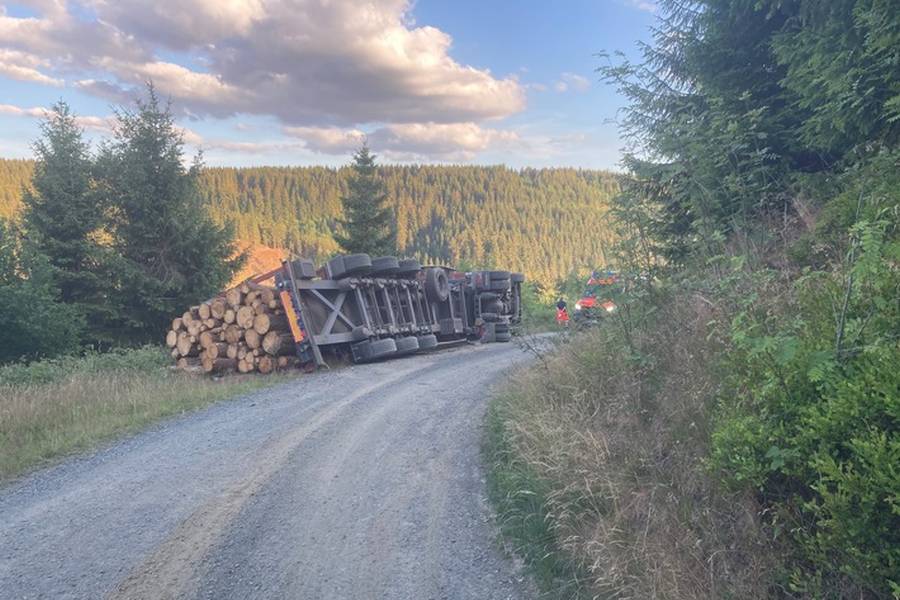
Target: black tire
{"points": [[409, 266], [490, 317], [501, 327], [356, 264], [303, 268], [489, 296], [437, 286], [499, 275], [517, 278], [335, 267], [427, 342], [361, 332], [385, 265], [407, 345], [500, 286], [502, 336]]}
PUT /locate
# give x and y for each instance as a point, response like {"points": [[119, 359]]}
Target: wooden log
{"points": [[245, 366], [217, 308], [177, 324], [175, 353], [265, 322], [193, 328], [273, 305], [187, 318], [234, 297], [171, 338], [187, 363], [252, 338], [244, 317], [207, 338], [231, 351], [187, 348], [257, 351], [210, 323], [267, 295], [220, 365], [203, 311], [242, 351], [266, 365], [251, 297], [217, 350], [233, 334], [229, 316], [276, 343], [261, 309]]}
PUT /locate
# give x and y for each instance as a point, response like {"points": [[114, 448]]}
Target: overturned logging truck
{"points": [[354, 305], [381, 307]]}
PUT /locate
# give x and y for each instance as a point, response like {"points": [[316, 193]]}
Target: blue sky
{"points": [[305, 81]]}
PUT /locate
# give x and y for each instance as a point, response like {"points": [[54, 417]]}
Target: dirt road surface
{"points": [[364, 483]]}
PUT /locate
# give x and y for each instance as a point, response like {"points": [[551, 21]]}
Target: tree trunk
{"points": [[203, 311], [219, 365], [177, 324], [245, 317], [217, 308], [252, 338], [229, 316], [233, 334], [266, 364], [234, 297], [232, 351], [276, 343], [171, 338], [265, 323]]}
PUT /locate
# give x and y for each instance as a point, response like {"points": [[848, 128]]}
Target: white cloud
{"points": [[24, 67], [408, 141], [644, 5], [571, 81], [307, 62]]}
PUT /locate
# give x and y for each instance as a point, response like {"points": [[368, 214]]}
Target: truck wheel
{"points": [[361, 332], [502, 336], [437, 287], [499, 286], [385, 265], [499, 275], [517, 278], [407, 345], [427, 342], [349, 264], [490, 316], [409, 266], [489, 296]]}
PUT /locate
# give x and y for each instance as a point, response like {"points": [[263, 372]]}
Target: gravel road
{"points": [[360, 484]]}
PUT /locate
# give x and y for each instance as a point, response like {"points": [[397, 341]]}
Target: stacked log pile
{"points": [[243, 330]]}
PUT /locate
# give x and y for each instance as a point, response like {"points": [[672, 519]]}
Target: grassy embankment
{"points": [[597, 468], [54, 407]]}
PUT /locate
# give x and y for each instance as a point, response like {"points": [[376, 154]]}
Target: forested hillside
{"points": [[543, 222]]}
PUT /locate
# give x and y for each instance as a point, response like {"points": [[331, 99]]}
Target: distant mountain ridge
{"points": [[543, 222]]}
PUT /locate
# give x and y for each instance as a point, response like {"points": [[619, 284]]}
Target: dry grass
{"points": [[52, 409], [608, 445]]}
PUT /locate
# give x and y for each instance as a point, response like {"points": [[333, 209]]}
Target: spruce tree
{"points": [[368, 222], [170, 253], [63, 216]]}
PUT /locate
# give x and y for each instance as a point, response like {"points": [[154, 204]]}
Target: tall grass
{"points": [[597, 466], [55, 407]]}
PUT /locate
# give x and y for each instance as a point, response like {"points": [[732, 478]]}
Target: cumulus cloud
{"points": [[307, 62], [408, 141], [573, 82], [24, 67], [96, 123]]}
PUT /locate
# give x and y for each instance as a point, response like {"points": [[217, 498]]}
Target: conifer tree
{"points": [[170, 253], [63, 215], [368, 222]]}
